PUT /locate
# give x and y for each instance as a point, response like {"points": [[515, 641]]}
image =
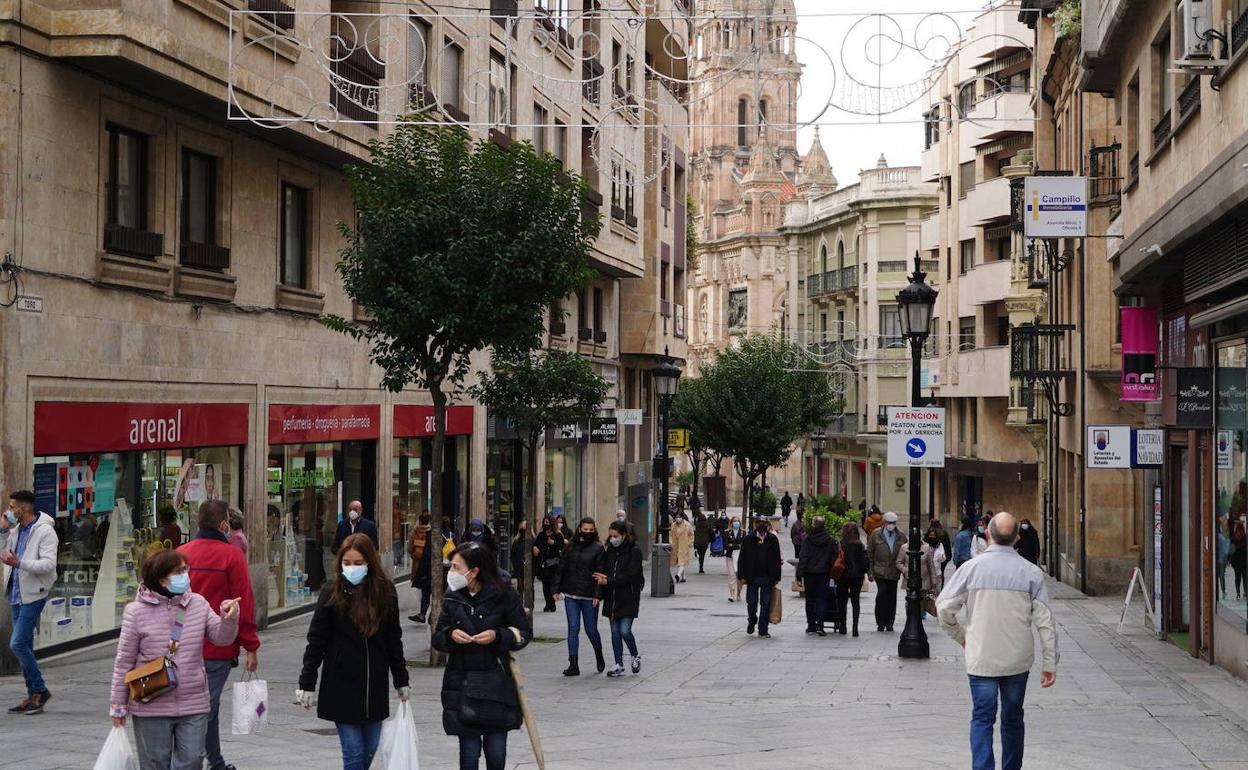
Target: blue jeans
{"points": [[22, 643], [621, 634], [359, 744], [495, 745], [218, 672], [578, 610], [985, 691]]}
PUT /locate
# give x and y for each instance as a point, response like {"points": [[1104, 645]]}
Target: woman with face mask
{"points": [[581, 594], [548, 548], [1028, 544], [979, 543], [477, 532], [681, 537], [734, 536], [169, 730], [356, 644], [622, 583], [482, 623]]}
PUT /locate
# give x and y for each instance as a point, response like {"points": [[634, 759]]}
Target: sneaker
{"points": [[21, 707], [636, 664], [416, 618], [616, 671], [35, 705], [749, 629], [764, 635]]}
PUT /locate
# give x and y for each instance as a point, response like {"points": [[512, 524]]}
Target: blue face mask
{"points": [[11, 516], [354, 573], [179, 583]]}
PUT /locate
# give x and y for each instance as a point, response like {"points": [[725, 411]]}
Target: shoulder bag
{"points": [[838, 566], [148, 681], [489, 699]]}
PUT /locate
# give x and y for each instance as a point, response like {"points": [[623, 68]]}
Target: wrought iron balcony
{"points": [[205, 256], [1106, 184], [845, 425], [1239, 31], [132, 242], [1133, 169], [1037, 360], [1161, 131], [1189, 97], [275, 12], [819, 284]]}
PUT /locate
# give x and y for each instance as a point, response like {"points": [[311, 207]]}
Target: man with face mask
{"points": [[29, 557], [355, 522], [758, 569], [218, 572], [883, 547]]}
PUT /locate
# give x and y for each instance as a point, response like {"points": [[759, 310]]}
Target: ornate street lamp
{"points": [[917, 302], [666, 381]]}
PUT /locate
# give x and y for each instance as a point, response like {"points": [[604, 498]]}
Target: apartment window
{"points": [[890, 326], [557, 9], [1003, 330], [629, 66], [294, 245], [617, 65], [582, 316], [600, 328], [823, 327], [947, 183], [966, 98], [743, 117], [498, 92], [452, 74], [560, 146], [199, 193], [663, 292], [966, 333], [1163, 92], [966, 178], [762, 112], [840, 324], [127, 178], [1000, 248], [948, 336], [540, 119], [966, 256], [823, 259], [617, 185], [418, 34], [628, 192], [881, 415]]}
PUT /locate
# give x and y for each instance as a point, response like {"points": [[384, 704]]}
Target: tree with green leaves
{"points": [[538, 391], [458, 246], [754, 401]]}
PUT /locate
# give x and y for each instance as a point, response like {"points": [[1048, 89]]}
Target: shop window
{"points": [[294, 245], [1231, 485]]}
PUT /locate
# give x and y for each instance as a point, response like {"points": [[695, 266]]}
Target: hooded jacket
{"points": [[1005, 596], [818, 552], [146, 628], [37, 569]]}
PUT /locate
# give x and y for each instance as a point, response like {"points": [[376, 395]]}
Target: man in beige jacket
{"points": [[1005, 596]]}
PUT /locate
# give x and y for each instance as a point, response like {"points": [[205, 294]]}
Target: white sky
{"points": [[836, 35]]}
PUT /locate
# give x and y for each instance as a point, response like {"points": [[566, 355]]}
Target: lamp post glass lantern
{"points": [[917, 302], [666, 381]]}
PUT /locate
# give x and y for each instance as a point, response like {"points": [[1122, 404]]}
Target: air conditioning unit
{"points": [[1197, 36]]}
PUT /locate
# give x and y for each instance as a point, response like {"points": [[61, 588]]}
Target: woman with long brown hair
{"points": [[355, 637], [849, 583]]}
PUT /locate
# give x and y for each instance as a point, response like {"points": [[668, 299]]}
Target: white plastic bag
{"points": [[251, 705], [398, 747], [117, 753]]}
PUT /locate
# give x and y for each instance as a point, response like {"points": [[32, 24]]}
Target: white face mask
{"points": [[353, 515], [1026, 526], [456, 581], [616, 540]]}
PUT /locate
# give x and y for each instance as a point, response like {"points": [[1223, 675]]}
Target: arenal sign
{"points": [[1055, 206]]}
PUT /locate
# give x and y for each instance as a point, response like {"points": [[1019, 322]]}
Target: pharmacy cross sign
{"points": [[916, 437]]}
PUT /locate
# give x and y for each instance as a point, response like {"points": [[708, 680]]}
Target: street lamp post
{"points": [[917, 302], [666, 380], [817, 440]]}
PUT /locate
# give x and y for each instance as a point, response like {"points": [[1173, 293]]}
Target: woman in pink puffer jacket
{"points": [[169, 731]]}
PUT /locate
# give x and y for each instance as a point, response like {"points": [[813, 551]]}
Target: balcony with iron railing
{"points": [[1105, 182], [845, 425], [820, 284], [1239, 32], [845, 350], [1161, 131], [1189, 99]]}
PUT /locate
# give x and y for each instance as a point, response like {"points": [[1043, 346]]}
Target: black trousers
{"points": [[547, 593], [701, 552], [845, 595], [886, 602], [816, 588]]}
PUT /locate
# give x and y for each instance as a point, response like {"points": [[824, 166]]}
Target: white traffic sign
{"points": [[1055, 206], [916, 437]]}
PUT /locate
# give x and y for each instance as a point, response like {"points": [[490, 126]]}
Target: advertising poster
{"points": [[1139, 354]]}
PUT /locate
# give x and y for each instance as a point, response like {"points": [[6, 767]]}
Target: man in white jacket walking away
{"points": [[1005, 596]]}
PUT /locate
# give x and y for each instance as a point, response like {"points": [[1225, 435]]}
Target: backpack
{"points": [[717, 545]]}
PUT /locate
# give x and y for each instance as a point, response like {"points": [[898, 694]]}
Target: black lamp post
{"points": [[666, 380], [917, 302], [817, 440]]}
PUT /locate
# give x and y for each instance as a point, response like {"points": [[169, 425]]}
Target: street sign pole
{"points": [[913, 642]]}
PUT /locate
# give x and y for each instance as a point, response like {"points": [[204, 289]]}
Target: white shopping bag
{"points": [[117, 753], [251, 705], [398, 747]]}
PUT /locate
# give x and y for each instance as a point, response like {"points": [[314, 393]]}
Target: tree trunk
{"points": [[436, 572], [530, 516]]}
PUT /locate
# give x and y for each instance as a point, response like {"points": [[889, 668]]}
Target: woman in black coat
{"points": [[548, 548], [1028, 545], [849, 584], [581, 593], [482, 623], [622, 583], [356, 642]]}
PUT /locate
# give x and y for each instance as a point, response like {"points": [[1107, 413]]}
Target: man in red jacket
{"points": [[218, 572]]}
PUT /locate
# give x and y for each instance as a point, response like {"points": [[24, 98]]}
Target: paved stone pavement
{"points": [[709, 696]]}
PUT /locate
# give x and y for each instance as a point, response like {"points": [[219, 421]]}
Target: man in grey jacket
{"points": [[1004, 595], [28, 546]]}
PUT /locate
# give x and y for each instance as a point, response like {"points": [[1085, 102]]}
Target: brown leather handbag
{"points": [[152, 679]]}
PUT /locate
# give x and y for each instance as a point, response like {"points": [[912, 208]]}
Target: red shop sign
{"points": [[76, 427], [412, 421], [306, 424]]}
